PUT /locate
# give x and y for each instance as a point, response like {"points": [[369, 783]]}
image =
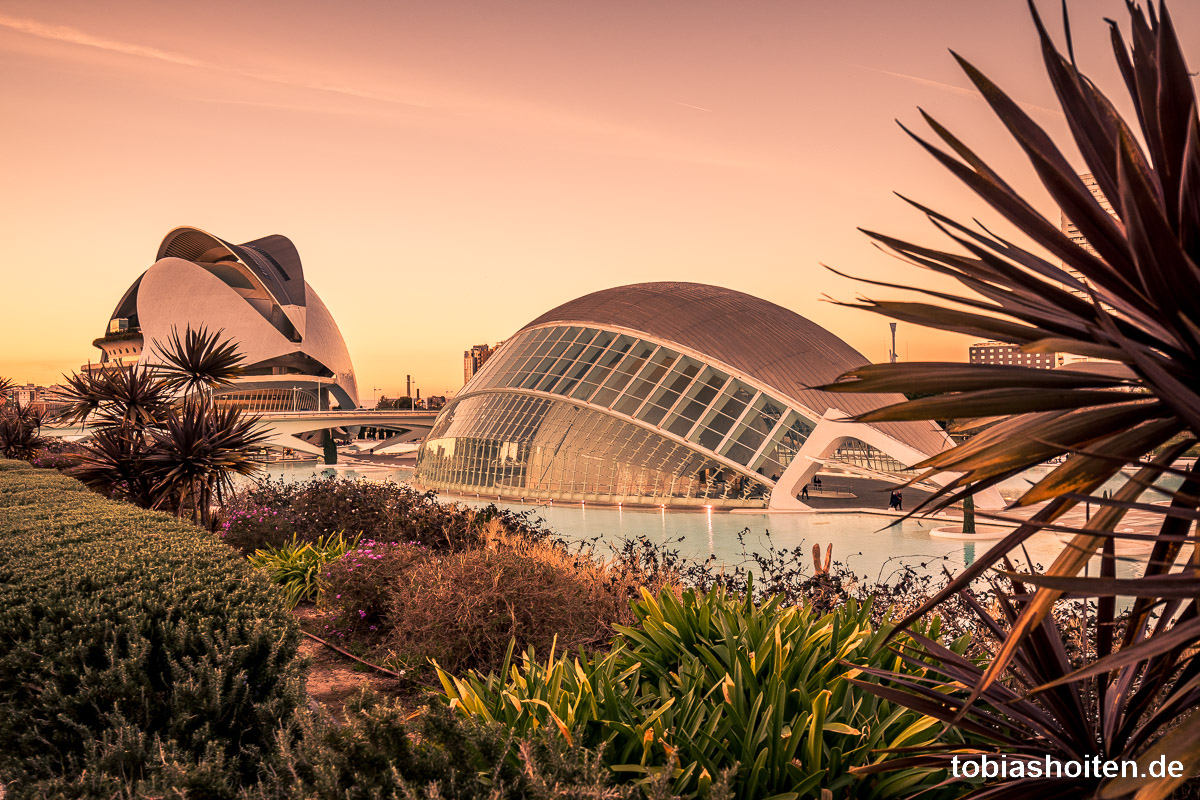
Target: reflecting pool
{"points": [[869, 544]]}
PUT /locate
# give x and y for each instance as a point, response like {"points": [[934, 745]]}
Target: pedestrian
{"points": [[899, 501], [817, 481], [892, 501], [804, 492]]}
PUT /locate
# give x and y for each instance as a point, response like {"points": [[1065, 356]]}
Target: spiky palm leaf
{"points": [[1133, 302], [20, 431], [132, 396], [200, 359], [80, 395], [114, 463]]}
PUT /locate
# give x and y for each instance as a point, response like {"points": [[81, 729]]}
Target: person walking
{"points": [[899, 501], [804, 492], [892, 501]]}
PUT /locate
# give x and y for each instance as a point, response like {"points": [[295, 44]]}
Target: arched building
{"points": [[672, 394], [295, 358]]}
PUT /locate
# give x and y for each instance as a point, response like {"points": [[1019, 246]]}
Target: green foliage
{"points": [[711, 682], [297, 566], [380, 752], [1127, 299], [135, 648]]}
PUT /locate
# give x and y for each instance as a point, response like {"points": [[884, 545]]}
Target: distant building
{"points": [[434, 402], [1069, 228], [474, 359], [38, 399], [26, 395], [1012, 355]]}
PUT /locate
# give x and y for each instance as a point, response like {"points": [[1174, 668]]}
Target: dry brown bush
{"points": [[463, 608]]}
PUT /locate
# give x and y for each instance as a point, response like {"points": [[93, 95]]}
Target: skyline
{"points": [[449, 173]]}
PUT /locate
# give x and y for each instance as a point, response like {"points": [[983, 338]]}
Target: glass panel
{"points": [[585, 360], [621, 375], [645, 382], [723, 414], [695, 401], [753, 430], [675, 385], [786, 440], [611, 357]]}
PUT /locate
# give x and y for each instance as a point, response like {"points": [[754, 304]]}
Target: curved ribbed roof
{"points": [[273, 258], [763, 341]]}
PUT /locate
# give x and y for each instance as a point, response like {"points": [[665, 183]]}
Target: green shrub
{"points": [[137, 650], [296, 567], [711, 682], [380, 752], [356, 589]]}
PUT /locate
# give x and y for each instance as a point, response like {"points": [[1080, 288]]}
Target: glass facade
{"points": [[579, 412], [854, 453], [268, 399]]}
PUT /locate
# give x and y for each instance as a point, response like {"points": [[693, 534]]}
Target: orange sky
{"points": [[451, 170]]}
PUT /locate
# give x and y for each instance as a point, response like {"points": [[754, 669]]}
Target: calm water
{"points": [[868, 544]]}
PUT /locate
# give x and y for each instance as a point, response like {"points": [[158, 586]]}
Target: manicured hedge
{"points": [[136, 651]]}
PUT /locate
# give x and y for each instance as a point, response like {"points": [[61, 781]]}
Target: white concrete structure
{"points": [[295, 358]]}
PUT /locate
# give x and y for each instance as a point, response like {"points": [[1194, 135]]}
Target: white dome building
{"points": [[671, 394], [295, 358]]}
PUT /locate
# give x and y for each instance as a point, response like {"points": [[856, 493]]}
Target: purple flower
{"points": [[362, 614]]}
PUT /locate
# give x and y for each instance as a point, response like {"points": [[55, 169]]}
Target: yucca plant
{"points": [[297, 565], [1131, 301], [197, 451], [199, 359], [710, 681], [20, 429]]}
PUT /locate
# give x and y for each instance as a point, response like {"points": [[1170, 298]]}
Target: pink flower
{"points": [[362, 614]]}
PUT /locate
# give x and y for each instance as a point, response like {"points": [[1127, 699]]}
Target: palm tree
{"points": [[1132, 301], [162, 442]]}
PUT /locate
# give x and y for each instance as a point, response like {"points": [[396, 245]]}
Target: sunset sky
{"points": [[449, 171]]}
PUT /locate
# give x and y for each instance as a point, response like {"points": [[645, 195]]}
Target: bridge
{"points": [[285, 428]]}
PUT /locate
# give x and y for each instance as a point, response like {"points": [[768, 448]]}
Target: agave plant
{"points": [[80, 395], [1130, 301]]}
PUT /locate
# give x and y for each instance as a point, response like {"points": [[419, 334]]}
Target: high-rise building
{"points": [[474, 359], [1069, 228], [1012, 355], [1072, 232]]}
